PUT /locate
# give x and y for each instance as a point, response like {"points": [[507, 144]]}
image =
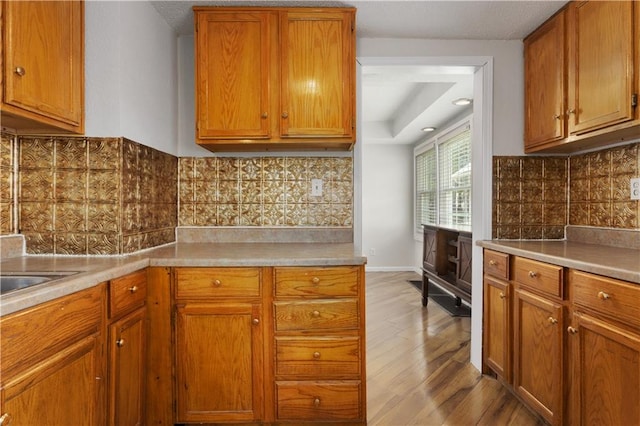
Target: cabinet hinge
{"points": [[634, 100]]}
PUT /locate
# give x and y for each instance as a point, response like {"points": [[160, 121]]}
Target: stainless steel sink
{"points": [[16, 281]]}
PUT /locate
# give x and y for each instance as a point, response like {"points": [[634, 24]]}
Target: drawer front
{"points": [[496, 264], [316, 282], [31, 335], [538, 276], [317, 315], [127, 293], [329, 358], [615, 298], [205, 283], [318, 400]]}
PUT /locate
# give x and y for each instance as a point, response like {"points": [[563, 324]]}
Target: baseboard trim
{"points": [[392, 269]]}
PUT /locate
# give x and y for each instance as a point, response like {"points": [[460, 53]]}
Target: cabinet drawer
{"points": [[316, 282], [496, 264], [29, 336], [328, 400], [317, 315], [127, 293], [538, 276], [205, 283], [330, 358], [615, 298]]}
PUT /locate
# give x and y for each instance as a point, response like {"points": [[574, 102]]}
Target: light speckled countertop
{"points": [[94, 270], [614, 262]]}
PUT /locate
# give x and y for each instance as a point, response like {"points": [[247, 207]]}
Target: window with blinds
{"points": [[443, 180]]}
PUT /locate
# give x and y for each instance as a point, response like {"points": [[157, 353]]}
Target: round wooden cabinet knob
{"points": [[133, 289], [603, 296], [316, 402], [315, 280], [256, 321], [5, 419], [315, 314], [120, 343], [285, 115], [264, 115], [316, 355]]}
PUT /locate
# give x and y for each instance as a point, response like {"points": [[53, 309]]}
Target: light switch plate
{"points": [[316, 187], [635, 188]]}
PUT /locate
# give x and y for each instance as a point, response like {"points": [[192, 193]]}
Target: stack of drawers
{"points": [[319, 344]]}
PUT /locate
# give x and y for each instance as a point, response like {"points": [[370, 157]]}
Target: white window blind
{"points": [[443, 180]]}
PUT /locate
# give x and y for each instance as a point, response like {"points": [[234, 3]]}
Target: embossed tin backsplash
{"points": [[95, 195], [534, 197], [265, 191]]}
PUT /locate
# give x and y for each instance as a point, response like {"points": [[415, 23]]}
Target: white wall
{"points": [[130, 74], [387, 213]]}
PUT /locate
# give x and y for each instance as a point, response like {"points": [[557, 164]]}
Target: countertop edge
{"points": [[567, 254]]}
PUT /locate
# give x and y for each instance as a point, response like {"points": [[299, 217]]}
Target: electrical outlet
{"points": [[635, 188], [316, 187]]}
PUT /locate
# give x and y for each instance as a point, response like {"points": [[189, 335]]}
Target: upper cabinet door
{"points": [[43, 66], [317, 66], [233, 74], [545, 75], [601, 65]]}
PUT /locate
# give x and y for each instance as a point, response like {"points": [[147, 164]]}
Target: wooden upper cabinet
{"points": [[275, 78], [582, 78], [601, 65], [545, 86], [233, 75], [317, 72], [43, 66]]}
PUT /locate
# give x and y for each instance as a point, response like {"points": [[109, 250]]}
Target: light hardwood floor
{"points": [[418, 368]]}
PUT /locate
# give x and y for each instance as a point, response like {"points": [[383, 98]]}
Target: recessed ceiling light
{"points": [[428, 129], [462, 101]]}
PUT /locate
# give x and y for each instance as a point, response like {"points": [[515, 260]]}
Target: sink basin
{"points": [[17, 281]]}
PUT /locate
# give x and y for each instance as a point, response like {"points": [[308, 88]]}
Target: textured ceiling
{"points": [[398, 101]]}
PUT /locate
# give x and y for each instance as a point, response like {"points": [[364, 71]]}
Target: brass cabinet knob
{"points": [[556, 117], [256, 321], [316, 402], [120, 342], [572, 330], [552, 320], [316, 314], [217, 283], [316, 355], [5, 419], [285, 115], [603, 296], [20, 71], [571, 111], [264, 115], [493, 263], [315, 280], [133, 289], [532, 274], [502, 295]]}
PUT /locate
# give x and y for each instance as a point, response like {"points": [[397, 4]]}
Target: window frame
{"points": [[434, 142]]}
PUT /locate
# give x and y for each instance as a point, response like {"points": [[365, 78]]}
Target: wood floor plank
{"points": [[418, 370]]}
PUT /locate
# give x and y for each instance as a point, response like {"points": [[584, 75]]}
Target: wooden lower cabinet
{"points": [[606, 373], [538, 353], [127, 341], [497, 327], [319, 344], [219, 362], [53, 369]]}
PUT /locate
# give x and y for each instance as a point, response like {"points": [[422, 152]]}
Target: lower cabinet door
{"points": [[219, 362], [62, 389], [318, 401], [497, 327], [538, 354], [127, 378], [608, 373]]}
